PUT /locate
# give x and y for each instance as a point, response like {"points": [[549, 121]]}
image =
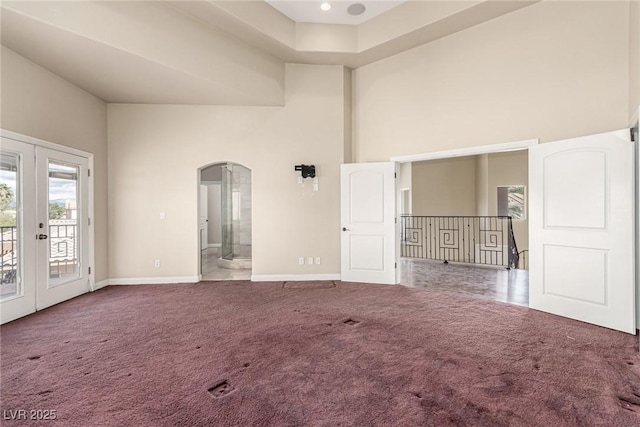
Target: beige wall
{"points": [[348, 115], [553, 70], [444, 187], [468, 186], [505, 169], [150, 172], [40, 104], [482, 185]]}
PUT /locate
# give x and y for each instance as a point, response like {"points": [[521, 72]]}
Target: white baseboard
{"points": [[214, 245], [101, 284], [153, 280], [292, 277], [195, 279]]}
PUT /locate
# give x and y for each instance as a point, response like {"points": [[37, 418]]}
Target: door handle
{"points": [[42, 237], [345, 229]]}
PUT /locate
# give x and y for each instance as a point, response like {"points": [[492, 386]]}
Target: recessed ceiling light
{"points": [[325, 6], [356, 9]]}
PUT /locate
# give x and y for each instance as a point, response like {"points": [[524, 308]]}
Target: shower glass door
{"points": [[227, 211]]}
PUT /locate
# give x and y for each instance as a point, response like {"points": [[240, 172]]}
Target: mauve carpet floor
{"points": [[314, 354]]}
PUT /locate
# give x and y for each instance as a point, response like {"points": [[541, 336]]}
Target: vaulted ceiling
{"points": [[218, 52]]}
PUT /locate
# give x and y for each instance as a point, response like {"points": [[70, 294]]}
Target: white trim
{"points": [[101, 284], [469, 151], [218, 183], [290, 277], [635, 121], [37, 142], [153, 280], [214, 245], [90, 181], [42, 143], [91, 227]]}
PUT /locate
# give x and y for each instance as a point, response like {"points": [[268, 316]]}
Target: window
{"points": [[511, 201]]}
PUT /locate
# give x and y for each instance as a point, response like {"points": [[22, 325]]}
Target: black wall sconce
{"points": [[307, 171]]}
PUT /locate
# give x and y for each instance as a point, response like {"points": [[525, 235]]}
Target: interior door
{"points": [[17, 230], [582, 229], [369, 248], [204, 221], [62, 224]]}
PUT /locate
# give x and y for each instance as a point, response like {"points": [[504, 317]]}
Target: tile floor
{"points": [[211, 271], [498, 284]]}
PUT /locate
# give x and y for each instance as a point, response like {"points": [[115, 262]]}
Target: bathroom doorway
{"points": [[225, 220]]}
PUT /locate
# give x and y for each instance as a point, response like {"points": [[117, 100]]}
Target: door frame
{"points": [[200, 182], [634, 122], [460, 152], [90, 182], [469, 151]]}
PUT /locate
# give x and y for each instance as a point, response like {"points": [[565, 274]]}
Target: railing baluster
{"points": [[470, 239]]}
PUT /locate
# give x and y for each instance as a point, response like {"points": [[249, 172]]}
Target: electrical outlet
{"points": [[300, 180], [318, 260], [301, 261], [162, 215], [157, 263], [315, 187], [310, 260]]}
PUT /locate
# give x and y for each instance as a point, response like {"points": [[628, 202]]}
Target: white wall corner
{"points": [[101, 284]]}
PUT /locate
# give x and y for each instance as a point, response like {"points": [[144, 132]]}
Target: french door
{"points": [[44, 207]]}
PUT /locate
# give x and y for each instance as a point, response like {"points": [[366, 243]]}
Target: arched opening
{"points": [[225, 221]]}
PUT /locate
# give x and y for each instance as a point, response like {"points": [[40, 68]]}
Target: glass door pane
{"points": [[64, 264], [227, 212], [10, 229], [63, 252], [17, 230]]}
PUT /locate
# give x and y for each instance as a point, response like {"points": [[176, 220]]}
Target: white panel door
{"points": [[17, 230], [62, 224], [581, 228], [368, 215]]}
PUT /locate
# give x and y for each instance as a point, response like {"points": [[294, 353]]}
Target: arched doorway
{"points": [[225, 221]]}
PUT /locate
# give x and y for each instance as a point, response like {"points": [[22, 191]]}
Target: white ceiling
{"points": [[309, 10]]}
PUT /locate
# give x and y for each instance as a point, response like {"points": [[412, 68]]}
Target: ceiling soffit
{"points": [[411, 24], [216, 52], [122, 52], [347, 12]]}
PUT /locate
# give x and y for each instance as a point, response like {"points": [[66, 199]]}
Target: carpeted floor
{"points": [[268, 354]]}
